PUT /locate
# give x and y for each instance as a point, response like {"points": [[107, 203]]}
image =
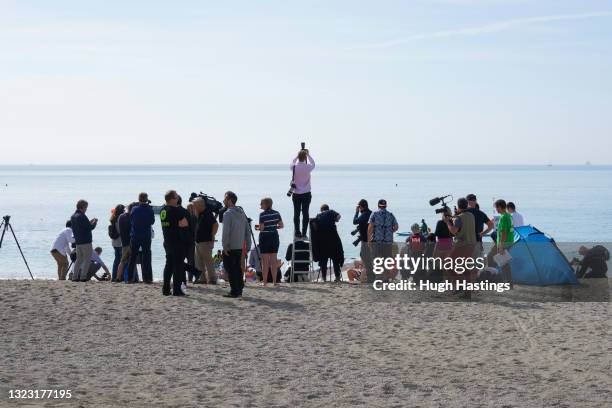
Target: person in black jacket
{"points": [[175, 228], [326, 243], [81, 230], [125, 226], [361, 219]]}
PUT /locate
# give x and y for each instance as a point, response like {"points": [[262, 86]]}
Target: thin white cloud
{"points": [[484, 29]]}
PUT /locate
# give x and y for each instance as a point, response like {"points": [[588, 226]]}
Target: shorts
{"points": [[125, 254], [268, 242]]}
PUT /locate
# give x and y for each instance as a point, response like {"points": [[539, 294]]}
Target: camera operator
{"points": [[594, 263], [81, 229], [142, 218], [206, 229], [236, 232], [462, 226], [480, 220], [302, 166]]}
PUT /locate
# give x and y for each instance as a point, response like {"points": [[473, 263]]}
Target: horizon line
{"points": [[586, 164]]}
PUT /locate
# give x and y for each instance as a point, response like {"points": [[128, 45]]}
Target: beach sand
{"points": [[116, 345]]}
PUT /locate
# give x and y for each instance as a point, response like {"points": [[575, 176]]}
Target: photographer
{"points": [[142, 218], [301, 166], [206, 229], [81, 229]]}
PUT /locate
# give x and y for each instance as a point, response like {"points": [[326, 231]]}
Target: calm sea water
{"points": [[570, 203]]}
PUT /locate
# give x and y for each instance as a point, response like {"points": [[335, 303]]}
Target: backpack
{"points": [[112, 231]]}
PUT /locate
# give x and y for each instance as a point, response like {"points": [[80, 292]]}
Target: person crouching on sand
{"points": [[174, 223], [270, 222]]}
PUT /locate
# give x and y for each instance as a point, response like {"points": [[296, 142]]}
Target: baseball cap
{"points": [[382, 203], [470, 197]]}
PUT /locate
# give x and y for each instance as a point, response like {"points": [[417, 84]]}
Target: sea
{"points": [[569, 203]]}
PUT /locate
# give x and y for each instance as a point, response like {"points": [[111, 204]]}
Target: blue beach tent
{"points": [[536, 259]]}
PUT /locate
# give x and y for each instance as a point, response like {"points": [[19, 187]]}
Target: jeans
{"points": [[233, 270], [301, 203], [174, 268], [135, 245], [116, 261], [81, 265]]}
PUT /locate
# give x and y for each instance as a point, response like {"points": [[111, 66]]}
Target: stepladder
{"points": [[301, 260]]}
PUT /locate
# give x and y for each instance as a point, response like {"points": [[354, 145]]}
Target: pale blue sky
{"points": [[438, 81]]}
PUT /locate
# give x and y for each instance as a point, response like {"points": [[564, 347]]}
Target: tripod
{"points": [[6, 223], [249, 220]]}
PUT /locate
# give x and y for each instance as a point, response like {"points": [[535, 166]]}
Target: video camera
{"points": [[211, 202], [444, 209], [290, 192]]}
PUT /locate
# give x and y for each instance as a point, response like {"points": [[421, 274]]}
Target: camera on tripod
{"points": [[211, 202], [358, 240], [292, 188], [444, 208]]}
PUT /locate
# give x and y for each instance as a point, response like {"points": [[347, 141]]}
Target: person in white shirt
{"points": [[61, 250], [517, 218], [301, 166]]}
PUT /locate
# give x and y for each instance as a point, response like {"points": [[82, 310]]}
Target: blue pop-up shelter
{"points": [[536, 259]]}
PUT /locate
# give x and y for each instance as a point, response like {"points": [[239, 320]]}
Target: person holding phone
{"points": [[302, 165], [81, 229]]}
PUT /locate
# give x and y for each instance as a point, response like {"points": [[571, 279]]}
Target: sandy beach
{"points": [[116, 345]]}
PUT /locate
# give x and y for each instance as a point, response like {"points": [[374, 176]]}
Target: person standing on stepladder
{"points": [[301, 166]]}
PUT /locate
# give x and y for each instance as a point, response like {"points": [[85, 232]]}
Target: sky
{"points": [[402, 82]]}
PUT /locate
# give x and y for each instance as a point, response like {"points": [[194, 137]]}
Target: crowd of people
{"points": [[190, 232]]}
